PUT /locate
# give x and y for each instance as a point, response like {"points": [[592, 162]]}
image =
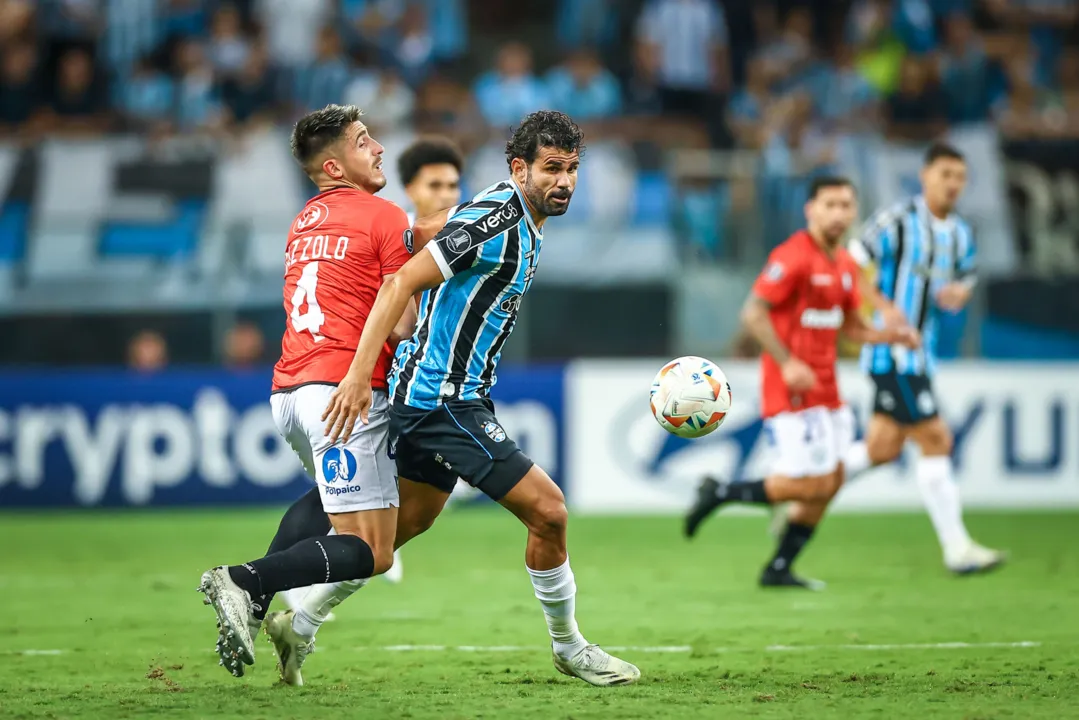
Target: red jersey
{"points": [[340, 247], [810, 293]]}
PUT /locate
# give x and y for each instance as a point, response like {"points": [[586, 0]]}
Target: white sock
{"points": [[941, 497], [856, 460], [320, 602], [557, 592]]}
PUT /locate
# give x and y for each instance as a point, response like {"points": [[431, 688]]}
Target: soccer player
{"points": [[341, 248], [925, 259], [807, 294], [474, 274]]}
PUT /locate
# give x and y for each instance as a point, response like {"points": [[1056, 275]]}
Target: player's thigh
{"points": [[357, 473], [933, 436], [537, 501], [803, 443], [283, 411], [884, 438], [421, 504]]}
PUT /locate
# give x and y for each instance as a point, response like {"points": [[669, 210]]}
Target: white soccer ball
{"points": [[690, 397]]}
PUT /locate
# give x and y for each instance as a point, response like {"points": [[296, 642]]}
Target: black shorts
{"points": [[461, 438], [907, 399]]}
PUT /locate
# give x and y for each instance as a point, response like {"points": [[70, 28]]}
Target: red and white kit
{"points": [[340, 247], [810, 294]]}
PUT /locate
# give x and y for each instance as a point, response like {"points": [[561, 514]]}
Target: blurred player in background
{"points": [[430, 170], [473, 276], [342, 246], [925, 261], [806, 296]]}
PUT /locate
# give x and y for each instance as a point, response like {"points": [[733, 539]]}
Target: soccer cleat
{"points": [[710, 495], [597, 667], [291, 647], [974, 558], [233, 607], [397, 572], [785, 578]]}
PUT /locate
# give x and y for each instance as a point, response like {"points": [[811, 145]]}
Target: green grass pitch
{"points": [[100, 618]]}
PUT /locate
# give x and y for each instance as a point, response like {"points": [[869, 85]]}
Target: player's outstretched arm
{"points": [[352, 398], [855, 328]]}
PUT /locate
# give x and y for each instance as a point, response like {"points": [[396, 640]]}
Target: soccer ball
{"points": [[690, 397]]}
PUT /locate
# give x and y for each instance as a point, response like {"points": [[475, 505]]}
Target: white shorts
{"points": [[811, 442], [356, 474]]}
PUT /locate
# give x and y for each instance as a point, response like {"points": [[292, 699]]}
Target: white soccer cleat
{"points": [[234, 618], [291, 647], [396, 573], [597, 667], [294, 600], [974, 558]]}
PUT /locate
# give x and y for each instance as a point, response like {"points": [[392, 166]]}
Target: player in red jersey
{"points": [[805, 297], [341, 248]]}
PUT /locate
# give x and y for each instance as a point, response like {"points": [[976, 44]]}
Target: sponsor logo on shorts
{"points": [[887, 400], [926, 405], [339, 465], [336, 490], [494, 431]]}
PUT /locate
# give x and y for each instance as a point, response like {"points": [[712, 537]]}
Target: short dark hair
{"points": [[940, 150], [544, 128], [827, 181], [428, 151], [319, 129]]}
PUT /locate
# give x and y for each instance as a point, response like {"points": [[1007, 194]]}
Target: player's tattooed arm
{"points": [[757, 321]]}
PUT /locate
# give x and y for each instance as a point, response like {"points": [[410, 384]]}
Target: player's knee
{"points": [[549, 518], [934, 438], [884, 447], [818, 489]]}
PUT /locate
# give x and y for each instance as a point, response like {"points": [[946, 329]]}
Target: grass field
{"points": [[101, 619]]}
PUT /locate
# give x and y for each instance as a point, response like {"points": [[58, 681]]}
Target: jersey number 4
{"points": [[310, 321]]}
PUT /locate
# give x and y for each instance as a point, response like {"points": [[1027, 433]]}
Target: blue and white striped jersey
{"points": [[916, 254], [488, 253]]}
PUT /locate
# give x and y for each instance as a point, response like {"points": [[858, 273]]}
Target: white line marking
{"points": [[689, 648], [906, 646], [34, 652]]}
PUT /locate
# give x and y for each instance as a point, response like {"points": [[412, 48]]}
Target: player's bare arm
{"points": [[425, 228], [954, 296], [892, 315], [755, 318], [353, 397], [855, 328]]}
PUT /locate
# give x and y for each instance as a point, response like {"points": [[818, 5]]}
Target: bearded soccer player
{"points": [[473, 275], [924, 254], [807, 294], [341, 248]]}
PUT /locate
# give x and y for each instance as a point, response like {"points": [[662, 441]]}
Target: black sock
{"points": [[304, 519], [794, 539], [328, 559], [747, 491]]}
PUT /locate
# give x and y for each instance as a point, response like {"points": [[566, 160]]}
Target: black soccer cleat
{"points": [[710, 495], [785, 578]]}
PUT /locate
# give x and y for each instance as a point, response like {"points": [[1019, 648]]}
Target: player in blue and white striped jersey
{"points": [[924, 254], [443, 426]]}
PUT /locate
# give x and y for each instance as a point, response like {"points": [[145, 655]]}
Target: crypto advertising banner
{"points": [[115, 438], [1015, 425]]}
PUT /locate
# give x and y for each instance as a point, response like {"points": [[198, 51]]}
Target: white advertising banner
{"points": [[1016, 427]]}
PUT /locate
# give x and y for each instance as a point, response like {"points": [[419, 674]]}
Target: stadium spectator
{"points": [[387, 102], [916, 111], [228, 47], [879, 52], [147, 99], [70, 22], [511, 90], [293, 29], [964, 71], [682, 46], [587, 23], [914, 24], [446, 107], [411, 44], [147, 352], [1027, 112], [251, 98], [244, 346], [748, 106], [583, 89], [324, 80], [184, 18], [844, 99], [80, 102], [789, 53], [1047, 22], [198, 107], [16, 21], [20, 87]]}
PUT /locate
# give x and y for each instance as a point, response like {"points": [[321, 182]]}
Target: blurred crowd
{"points": [[773, 76]]}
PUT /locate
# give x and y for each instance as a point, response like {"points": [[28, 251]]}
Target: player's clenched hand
{"points": [[908, 337], [797, 375], [893, 317], [349, 402], [953, 296]]}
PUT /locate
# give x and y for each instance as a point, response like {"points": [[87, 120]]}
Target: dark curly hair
{"points": [[427, 151], [544, 128], [319, 129]]}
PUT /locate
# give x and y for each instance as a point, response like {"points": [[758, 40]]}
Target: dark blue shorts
{"points": [[907, 399]]}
